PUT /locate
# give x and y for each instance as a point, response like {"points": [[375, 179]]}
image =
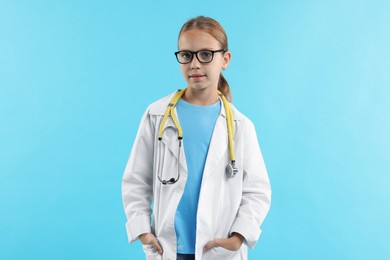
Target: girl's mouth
{"points": [[197, 77]]}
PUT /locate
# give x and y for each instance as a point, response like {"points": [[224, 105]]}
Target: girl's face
{"points": [[202, 75]]}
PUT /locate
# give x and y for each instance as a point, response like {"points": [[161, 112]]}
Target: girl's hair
{"points": [[212, 27]]}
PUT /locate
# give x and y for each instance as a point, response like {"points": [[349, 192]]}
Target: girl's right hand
{"points": [[150, 239]]}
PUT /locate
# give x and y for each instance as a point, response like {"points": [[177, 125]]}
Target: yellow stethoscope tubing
{"points": [[230, 127], [170, 112]]}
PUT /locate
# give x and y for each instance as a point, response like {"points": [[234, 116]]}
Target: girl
{"points": [[196, 162]]}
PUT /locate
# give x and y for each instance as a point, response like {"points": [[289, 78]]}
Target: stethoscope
{"points": [[231, 168]]}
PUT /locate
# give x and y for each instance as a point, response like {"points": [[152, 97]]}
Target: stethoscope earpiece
{"points": [[170, 181]]}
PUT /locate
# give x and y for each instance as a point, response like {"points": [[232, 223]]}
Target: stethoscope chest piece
{"points": [[231, 170]]}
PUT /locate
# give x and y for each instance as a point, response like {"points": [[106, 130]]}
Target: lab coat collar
{"points": [[159, 107]]}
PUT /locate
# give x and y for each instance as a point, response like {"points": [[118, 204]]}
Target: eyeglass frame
{"points": [[195, 53]]}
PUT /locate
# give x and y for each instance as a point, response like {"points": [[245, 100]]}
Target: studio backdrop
{"points": [[76, 77]]}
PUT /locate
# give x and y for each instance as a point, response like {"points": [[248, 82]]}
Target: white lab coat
{"points": [[226, 204]]}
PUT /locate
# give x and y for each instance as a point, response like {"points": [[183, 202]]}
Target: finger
{"points": [[210, 245], [157, 246]]}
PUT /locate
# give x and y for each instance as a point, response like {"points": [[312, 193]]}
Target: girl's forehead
{"points": [[196, 40]]}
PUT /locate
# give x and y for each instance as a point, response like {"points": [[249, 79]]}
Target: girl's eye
{"points": [[205, 55], [185, 55]]}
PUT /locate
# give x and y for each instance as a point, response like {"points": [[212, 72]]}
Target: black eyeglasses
{"points": [[203, 56]]}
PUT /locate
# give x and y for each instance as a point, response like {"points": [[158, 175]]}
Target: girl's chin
{"points": [[198, 86]]}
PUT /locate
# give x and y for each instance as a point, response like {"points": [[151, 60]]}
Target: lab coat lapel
{"points": [[218, 144]]}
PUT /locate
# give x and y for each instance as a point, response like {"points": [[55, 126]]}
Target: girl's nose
{"points": [[195, 64]]}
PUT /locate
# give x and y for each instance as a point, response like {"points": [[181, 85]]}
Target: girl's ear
{"points": [[226, 59]]}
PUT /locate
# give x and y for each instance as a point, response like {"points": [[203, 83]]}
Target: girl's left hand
{"points": [[232, 243]]}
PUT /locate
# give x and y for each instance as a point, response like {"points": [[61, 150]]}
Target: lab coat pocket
{"points": [[151, 253], [223, 253]]}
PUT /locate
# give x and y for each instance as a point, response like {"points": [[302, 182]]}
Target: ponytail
{"points": [[223, 86]]}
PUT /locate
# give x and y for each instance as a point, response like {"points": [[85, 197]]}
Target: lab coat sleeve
{"points": [[256, 190], [137, 182]]}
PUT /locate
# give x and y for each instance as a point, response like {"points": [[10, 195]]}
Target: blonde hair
{"points": [[212, 27]]}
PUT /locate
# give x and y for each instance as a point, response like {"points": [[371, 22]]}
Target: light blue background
{"points": [[76, 76]]}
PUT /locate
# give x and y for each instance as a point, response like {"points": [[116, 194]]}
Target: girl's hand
{"points": [[150, 239], [232, 243]]}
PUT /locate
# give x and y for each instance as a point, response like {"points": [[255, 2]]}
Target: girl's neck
{"points": [[201, 97]]}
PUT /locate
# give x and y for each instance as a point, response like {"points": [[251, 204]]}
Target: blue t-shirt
{"points": [[198, 124]]}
